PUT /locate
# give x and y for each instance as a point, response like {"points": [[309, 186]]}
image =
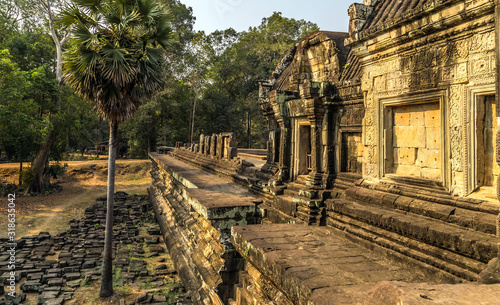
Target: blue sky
{"points": [[329, 15]]}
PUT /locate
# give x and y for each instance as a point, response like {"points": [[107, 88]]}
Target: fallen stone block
{"points": [[31, 286]]}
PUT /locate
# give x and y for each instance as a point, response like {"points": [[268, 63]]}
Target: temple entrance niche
{"points": [[277, 144], [302, 151], [351, 152], [412, 136], [485, 131]]}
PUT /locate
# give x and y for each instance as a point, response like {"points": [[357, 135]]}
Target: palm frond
{"points": [[115, 55]]}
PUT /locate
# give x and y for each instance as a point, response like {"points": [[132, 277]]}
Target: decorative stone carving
{"points": [[455, 124], [480, 65], [462, 48], [480, 43]]}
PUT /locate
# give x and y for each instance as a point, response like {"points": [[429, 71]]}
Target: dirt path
{"points": [[83, 183]]}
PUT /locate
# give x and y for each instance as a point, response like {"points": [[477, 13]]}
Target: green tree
{"points": [[59, 37], [20, 126], [211, 83], [171, 107], [113, 61], [234, 63]]}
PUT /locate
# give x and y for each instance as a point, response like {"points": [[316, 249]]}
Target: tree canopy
{"points": [[208, 80]]}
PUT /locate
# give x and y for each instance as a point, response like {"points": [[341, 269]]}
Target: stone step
{"points": [[301, 190], [273, 215], [348, 177], [302, 179], [290, 192], [408, 251], [342, 184], [286, 205], [480, 220], [448, 244], [432, 195], [308, 202], [312, 265], [306, 217]]}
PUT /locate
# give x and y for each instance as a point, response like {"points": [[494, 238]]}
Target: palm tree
{"points": [[114, 61]]}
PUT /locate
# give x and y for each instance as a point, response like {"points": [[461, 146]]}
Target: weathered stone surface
{"points": [[388, 293], [490, 274], [300, 260], [203, 207]]}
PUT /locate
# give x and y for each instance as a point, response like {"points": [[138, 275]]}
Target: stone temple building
{"points": [[380, 182]]}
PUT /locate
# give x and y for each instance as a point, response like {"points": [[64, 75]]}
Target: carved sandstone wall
{"points": [[444, 55]]}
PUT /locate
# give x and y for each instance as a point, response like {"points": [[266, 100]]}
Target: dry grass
{"points": [[83, 183]]}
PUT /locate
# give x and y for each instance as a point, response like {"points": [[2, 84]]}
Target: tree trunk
{"points": [[42, 155], [20, 172], [191, 135], [249, 130], [107, 262], [39, 164]]}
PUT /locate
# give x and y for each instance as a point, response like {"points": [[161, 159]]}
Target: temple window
{"points": [[413, 139], [351, 152]]}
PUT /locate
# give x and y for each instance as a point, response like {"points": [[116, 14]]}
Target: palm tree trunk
{"points": [[107, 262]]}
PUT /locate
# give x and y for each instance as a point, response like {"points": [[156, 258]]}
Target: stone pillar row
{"points": [[220, 146]]}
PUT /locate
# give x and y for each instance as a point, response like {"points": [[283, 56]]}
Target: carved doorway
{"points": [[484, 132], [351, 152], [302, 149]]}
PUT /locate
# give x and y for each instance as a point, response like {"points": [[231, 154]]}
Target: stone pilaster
{"points": [[284, 157]]}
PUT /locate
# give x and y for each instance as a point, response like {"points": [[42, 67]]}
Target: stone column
{"points": [[213, 145], [315, 176], [328, 149], [272, 141], [207, 146], [232, 147], [220, 150], [202, 144], [497, 98]]}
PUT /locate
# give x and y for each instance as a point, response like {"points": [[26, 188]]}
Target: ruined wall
{"points": [[196, 213], [319, 58], [416, 63]]}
